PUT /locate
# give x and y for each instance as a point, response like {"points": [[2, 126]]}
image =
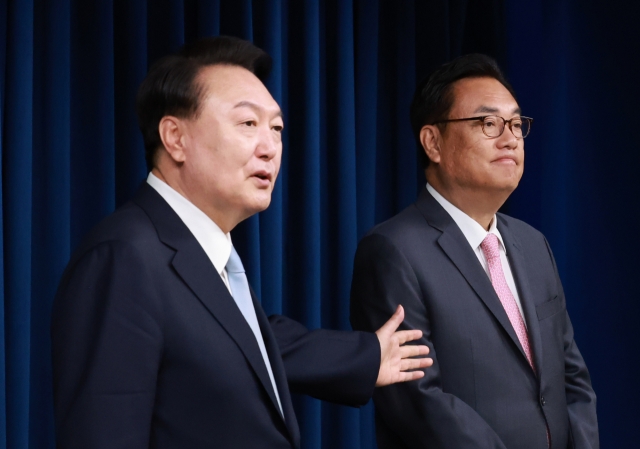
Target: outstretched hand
{"points": [[395, 364]]}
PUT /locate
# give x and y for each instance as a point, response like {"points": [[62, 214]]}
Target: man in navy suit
{"points": [[482, 286], [158, 341]]}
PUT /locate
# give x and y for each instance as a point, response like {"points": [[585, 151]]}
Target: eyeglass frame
{"points": [[481, 119]]}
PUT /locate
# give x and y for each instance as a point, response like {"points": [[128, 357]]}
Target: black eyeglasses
{"points": [[493, 125]]}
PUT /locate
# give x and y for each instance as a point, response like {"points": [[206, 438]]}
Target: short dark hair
{"points": [[433, 98], [170, 87]]}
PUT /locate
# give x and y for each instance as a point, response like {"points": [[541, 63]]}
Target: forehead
{"points": [[482, 95], [231, 85]]}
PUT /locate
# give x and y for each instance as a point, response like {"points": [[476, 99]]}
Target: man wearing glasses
{"points": [[483, 287]]}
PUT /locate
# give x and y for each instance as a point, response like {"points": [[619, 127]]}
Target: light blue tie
{"points": [[242, 295]]}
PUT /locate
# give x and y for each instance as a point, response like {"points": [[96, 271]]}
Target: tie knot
{"points": [[234, 264], [490, 246]]}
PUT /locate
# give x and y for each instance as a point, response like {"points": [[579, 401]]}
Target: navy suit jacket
{"points": [[481, 392], [151, 351]]}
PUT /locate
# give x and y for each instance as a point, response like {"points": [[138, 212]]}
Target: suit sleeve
{"points": [[581, 399], [418, 414], [106, 348], [335, 366]]}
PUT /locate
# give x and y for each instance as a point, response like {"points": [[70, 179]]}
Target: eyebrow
{"points": [[255, 107], [491, 110]]}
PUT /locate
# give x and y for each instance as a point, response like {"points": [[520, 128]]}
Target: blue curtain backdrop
{"points": [[344, 72]]}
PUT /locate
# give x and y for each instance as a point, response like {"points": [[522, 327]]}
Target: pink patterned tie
{"points": [[491, 249]]}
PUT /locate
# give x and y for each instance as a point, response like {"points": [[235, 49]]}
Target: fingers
{"points": [[411, 369], [412, 375], [405, 336], [413, 351], [407, 363], [415, 364], [396, 319], [400, 362]]}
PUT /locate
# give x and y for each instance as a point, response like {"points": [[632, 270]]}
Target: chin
{"points": [[259, 204], [509, 187], [510, 182]]}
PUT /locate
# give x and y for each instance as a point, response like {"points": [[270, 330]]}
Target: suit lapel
{"points": [[205, 282], [456, 247], [196, 270], [518, 268], [279, 373]]}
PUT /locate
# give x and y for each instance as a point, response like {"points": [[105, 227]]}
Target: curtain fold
{"points": [[51, 233], [93, 176], [270, 35], [130, 67], [4, 35], [339, 208], [305, 164], [17, 204]]}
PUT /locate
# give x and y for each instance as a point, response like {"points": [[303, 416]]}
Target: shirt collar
{"points": [[472, 230], [216, 244]]}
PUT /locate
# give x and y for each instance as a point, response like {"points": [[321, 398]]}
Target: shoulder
{"points": [[405, 226], [123, 249], [519, 228], [128, 227], [531, 241], [403, 240]]}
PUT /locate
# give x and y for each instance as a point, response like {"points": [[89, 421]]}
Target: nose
{"points": [[508, 139], [269, 143]]}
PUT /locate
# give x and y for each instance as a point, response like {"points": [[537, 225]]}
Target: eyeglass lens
{"points": [[493, 126]]}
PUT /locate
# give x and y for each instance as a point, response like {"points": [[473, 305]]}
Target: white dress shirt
{"points": [[475, 234], [215, 243]]}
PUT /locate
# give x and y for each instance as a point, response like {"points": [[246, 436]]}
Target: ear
{"points": [[430, 140], [171, 131]]}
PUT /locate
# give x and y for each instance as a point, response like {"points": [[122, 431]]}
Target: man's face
{"points": [[470, 159], [233, 148]]}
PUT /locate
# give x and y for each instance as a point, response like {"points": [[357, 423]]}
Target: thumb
{"points": [[396, 319]]}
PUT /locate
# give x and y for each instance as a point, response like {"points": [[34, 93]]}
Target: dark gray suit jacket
{"points": [[481, 392]]}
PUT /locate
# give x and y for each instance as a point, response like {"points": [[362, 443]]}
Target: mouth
{"points": [[263, 177], [505, 161]]}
